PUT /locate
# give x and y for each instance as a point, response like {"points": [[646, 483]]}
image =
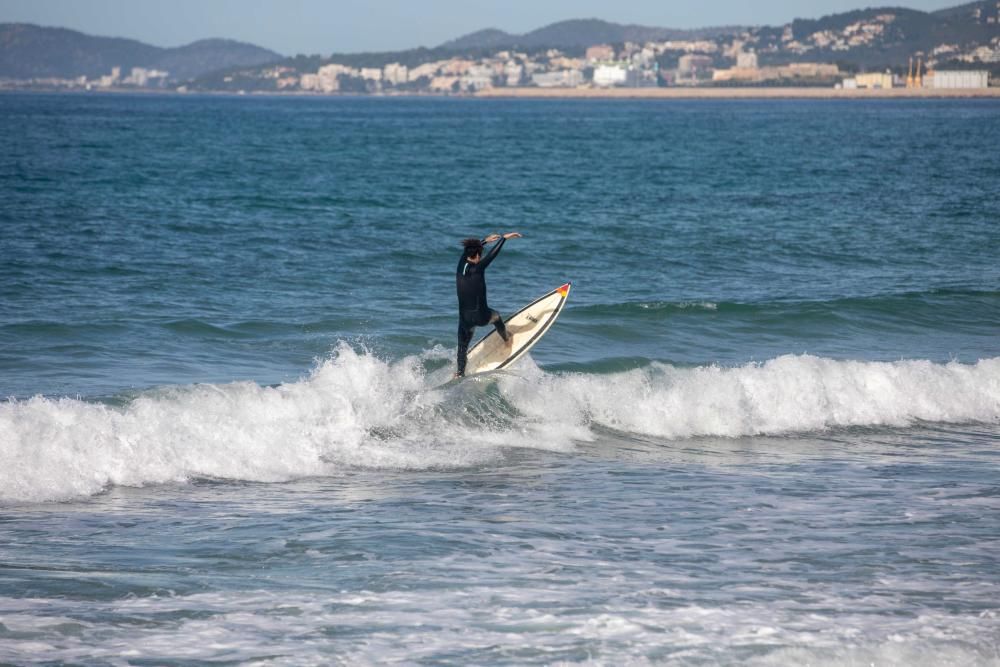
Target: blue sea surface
{"points": [[764, 429]]}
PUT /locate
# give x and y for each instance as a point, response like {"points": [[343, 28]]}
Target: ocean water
{"points": [[765, 429]]}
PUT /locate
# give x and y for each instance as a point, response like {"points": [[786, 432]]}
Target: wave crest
{"points": [[784, 395], [356, 410]]}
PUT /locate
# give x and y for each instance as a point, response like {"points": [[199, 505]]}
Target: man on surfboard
{"points": [[470, 283]]}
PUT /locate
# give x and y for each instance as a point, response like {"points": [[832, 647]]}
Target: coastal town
{"points": [[751, 58]]}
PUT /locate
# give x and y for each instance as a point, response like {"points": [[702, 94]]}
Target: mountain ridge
{"points": [[576, 33], [30, 51]]}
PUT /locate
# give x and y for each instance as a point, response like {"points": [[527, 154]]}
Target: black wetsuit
{"points": [[473, 310]]}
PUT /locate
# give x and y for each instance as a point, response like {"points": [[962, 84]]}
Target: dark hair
{"points": [[472, 247]]}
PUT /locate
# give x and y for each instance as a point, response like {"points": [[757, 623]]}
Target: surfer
{"points": [[470, 283]]}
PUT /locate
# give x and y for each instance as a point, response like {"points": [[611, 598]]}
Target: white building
{"points": [[309, 82], [513, 73], [477, 77], [326, 82], [335, 69], [329, 76], [746, 60], [985, 54], [371, 73], [142, 77], [700, 46], [610, 75], [873, 80], [957, 79], [395, 73], [567, 78]]}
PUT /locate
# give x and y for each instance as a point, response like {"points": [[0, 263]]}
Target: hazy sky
{"points": [[325, 26]]}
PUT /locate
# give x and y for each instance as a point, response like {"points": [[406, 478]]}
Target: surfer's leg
{"points": [[498, 324], [464, 338]]}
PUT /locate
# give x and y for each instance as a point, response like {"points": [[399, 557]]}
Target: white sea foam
{"points": [[684, 305], [784, 395], [356, 410], [353, 410], [477, 624]]}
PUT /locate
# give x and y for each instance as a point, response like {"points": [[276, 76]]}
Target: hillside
{"points": [[209, 55], [880, 37], [30, 51], [579, 33], [489, 38]]}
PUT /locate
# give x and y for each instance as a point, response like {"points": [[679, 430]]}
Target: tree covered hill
{"points": [[29, 51], [577, 34], [884, 36]]}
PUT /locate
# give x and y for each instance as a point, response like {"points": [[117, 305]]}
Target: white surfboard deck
{"points": [[526, 326]]}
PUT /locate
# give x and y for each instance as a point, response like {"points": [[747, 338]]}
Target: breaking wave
{"points": [[355, 410]]}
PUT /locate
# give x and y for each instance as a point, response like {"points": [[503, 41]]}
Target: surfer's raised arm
{"points": [[485, 261], [496, 237]]}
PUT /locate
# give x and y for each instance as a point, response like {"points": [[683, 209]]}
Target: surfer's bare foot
{"points": [[457, 375]]}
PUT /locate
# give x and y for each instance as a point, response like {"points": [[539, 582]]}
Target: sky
{"points": [[291, 27]]}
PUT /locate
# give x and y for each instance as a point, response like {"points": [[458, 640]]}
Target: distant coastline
{"points": [[677, 93], [694, 93], [870, 49]]}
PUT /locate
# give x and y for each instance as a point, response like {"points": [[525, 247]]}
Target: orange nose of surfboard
{"points": [[564, 290]]}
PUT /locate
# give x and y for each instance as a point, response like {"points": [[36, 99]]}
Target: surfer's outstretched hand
{"points": [[496, 237]]}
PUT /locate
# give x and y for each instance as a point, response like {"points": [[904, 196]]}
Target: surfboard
{"points": [[526, 326]]}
